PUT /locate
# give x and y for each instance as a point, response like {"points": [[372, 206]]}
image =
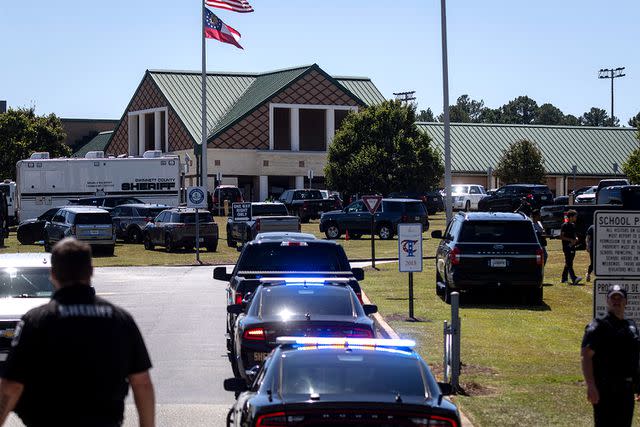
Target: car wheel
{"points": [[134, 235], [439, 290], [234, 361], [24, 237], [385, 232], [168, 243], [467, 206], [148, 245], [332, 231], [109, 251], [447, 293], [47, 245], [305, 219]]}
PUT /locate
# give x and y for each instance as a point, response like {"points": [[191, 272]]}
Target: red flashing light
{"points": [[359, 333], [529, 196], [272, 420], [238, 298], [255, 334], [539, 256]]}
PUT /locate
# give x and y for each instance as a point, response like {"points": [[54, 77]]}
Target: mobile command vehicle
{"points": [[43, 183]]}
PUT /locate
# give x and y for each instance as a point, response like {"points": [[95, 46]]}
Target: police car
{"points": [[355, 382], [24, 284], [325, 307]]}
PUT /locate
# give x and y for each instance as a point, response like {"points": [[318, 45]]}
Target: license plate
{"points": [[260, 357], [498, 263], [555, 232], [3, 356], [435, 199], [417, 218], [201, 239]]}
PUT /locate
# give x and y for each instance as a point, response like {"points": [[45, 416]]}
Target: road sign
{"points": [[617, 243], [310, 174], [600, 288], [410, 247], [241, 211], [197, 197], [372, 203]]}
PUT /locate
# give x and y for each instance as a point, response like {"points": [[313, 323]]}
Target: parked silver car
{"points": [[91, 225]]}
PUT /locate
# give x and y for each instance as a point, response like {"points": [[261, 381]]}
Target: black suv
{"points": [[510, 197], [174, 228], [432, 200], [357, 219], [129, 220], [482, 250]]}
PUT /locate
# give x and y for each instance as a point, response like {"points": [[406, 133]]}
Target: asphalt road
{"points": [[180, 311]]}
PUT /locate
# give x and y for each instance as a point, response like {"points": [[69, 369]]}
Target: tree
{"points": [[597, 117], [425, 116], [570, 120], [635, 121], [548, 114], [521, 162], [490, 115], [522, 110], [23, 133], [380, 150], [466, 110], [631, 167]]}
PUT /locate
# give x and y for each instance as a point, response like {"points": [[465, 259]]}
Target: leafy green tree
{"points": [[425, 116], [379, 150], [570, 120], [466, 110], [456, 115], [597, 117], [549, 114], [521, 162], [490, 115], [635, 121], [23, 133], [631, 167], [522, 110]]}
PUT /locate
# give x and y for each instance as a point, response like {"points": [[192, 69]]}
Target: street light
{"points": [[611, 73]]}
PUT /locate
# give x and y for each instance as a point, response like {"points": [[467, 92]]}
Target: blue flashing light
{"points": [[304, 280], [346, 342]]}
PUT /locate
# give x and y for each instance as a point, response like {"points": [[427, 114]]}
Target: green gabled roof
{"points": [[98, 143], [475, 147], [233, 96]]}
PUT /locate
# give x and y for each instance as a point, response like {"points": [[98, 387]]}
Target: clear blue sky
{"points": [[84, 59]]}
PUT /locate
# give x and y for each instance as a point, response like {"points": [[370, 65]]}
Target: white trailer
{"points": [[43, 183]]}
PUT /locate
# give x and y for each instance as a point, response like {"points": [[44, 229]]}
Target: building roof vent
{"points": [[40, 155], [152, 154], [94, 155]]}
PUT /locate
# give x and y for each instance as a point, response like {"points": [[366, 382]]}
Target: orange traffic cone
{"points": [[346, 234]]}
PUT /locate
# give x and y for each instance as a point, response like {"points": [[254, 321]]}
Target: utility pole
{"points": [[611, 73], [405, 96]]}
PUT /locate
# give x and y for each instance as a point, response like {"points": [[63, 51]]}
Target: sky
{"points": [[85, 59]]}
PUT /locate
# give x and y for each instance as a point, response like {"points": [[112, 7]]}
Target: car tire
{"points": [[134, 235], [109, 251], [168, 243], [148, 245], [47, 245], [385, 232], [2, 241], [234, 361], [305, 219], [467, 206], [25, 237], [333, 231], [439, 291], [447, 294]]}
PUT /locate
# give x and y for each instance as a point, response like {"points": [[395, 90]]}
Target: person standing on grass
{"points": [[569, 242], [610, 356], [72, 361]]}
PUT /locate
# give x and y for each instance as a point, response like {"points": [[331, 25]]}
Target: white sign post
{"points": [[410, 254], [616, 259], [197, 198]]}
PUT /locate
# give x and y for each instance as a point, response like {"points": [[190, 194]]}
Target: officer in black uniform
{"points": [[72, 360], [610, 356]]}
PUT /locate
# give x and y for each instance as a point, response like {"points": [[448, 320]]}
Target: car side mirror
{"points": [[370, 309], [358, 273], [251, 373], [220, 273], [237, 385], [436, 234], [446, 389], [235, 308]]}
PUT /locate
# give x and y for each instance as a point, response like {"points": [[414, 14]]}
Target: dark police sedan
{"points": [[295, 307], [342, 382]]}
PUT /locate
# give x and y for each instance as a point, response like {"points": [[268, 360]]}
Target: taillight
{"points": [[257, 225], [238, 298], [433, 421], [238, 199], [275, 419], [566, 218], [148, 219], [529, 196], [454, 255], [255, 334], [359, 295], [358, 333], [539, 256]]}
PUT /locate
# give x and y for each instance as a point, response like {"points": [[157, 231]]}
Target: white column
{"points": [[264, 187], [141, 135], [295, 130], [133, 135], [331, 126], [157, 143], [299, 182]]}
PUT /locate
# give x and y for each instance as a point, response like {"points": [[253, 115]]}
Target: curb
{"points": [[388, 332]]}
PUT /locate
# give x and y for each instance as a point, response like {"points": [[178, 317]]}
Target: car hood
{"points": [[15, 308], [28, 221]]}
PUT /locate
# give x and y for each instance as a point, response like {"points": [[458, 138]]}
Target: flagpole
{"points": [[203, 157]]}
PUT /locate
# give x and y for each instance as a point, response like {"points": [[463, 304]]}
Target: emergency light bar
{"points": [[303, 280], [346, 342], [293, 243]]}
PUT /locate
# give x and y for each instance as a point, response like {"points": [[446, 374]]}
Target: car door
{"points": [[58, 226], [474, 196], [501, 199], [357, 218], [156, 230]]}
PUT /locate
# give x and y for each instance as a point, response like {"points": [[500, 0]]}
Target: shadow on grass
{"points": [[505, 299]]}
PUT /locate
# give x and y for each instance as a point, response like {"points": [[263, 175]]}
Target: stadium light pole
{"points": [[445, 94], [611, 73]]}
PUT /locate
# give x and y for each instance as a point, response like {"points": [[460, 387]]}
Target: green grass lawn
{"points": [[521, 363]]}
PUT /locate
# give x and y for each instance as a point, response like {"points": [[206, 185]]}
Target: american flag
{"points": [[233, 5]]}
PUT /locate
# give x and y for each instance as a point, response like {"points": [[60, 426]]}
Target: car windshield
{"points": [[358, 373], [269, 210], [460, 189], [26, 282], [591, 190], [190, 218], [93, 218], [307, 195], [497, 232], [276, 257], [296, 301]]}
